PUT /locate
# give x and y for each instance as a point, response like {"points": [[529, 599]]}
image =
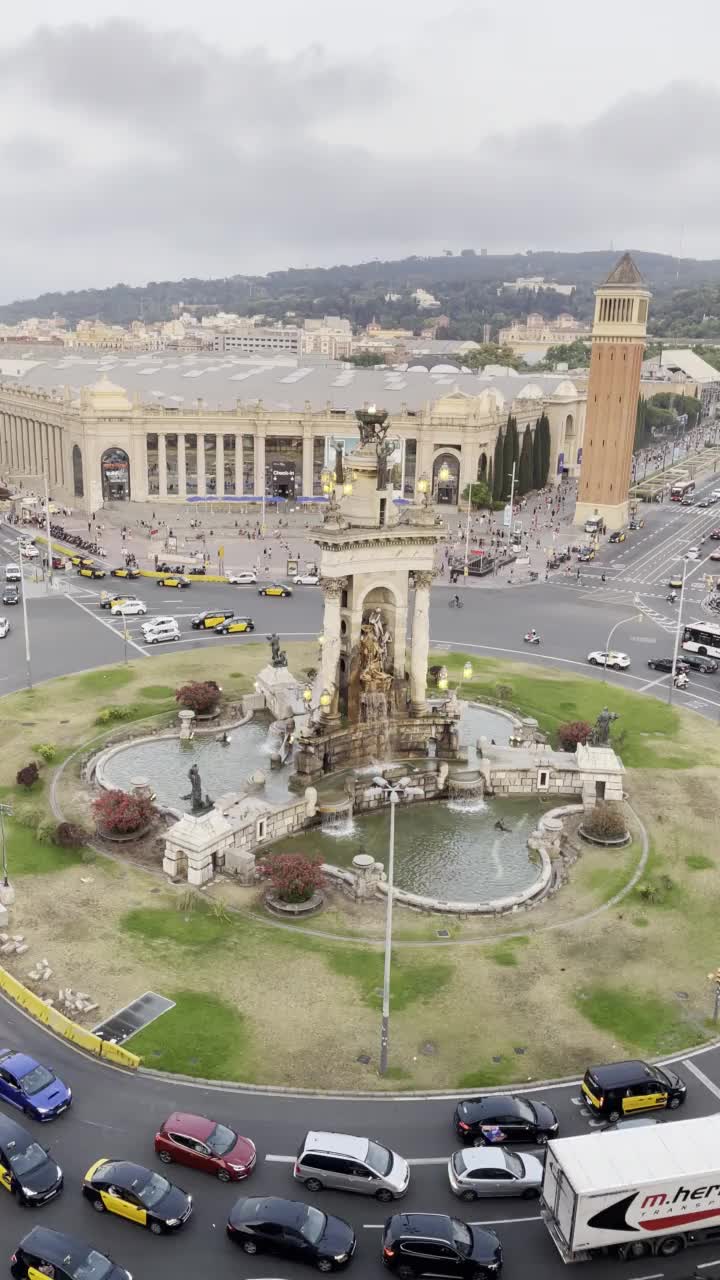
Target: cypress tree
{"points": [[536, 457], [545, 444], [516, 447], [525, 464], [507, 460], [498, 467], [489, 477]]}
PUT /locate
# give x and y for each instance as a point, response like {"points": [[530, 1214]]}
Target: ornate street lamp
{"points": [[467, 671], [442, 679], [444, 473], [347, 488], [423, 487]]}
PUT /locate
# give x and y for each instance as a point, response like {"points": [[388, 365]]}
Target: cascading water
{"points": [[338, 825], [376, 714], [467, 804]]}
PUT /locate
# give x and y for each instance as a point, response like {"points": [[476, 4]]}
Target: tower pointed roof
{"points": [[625, 273]]}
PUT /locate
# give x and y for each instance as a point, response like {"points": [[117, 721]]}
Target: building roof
{"points": [[626, 273], [686, 362], [281, 382]]}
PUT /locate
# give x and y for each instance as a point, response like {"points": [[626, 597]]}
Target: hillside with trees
{"points": [[467, 286]]}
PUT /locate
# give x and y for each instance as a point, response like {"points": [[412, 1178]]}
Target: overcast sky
{"points": [[192, 139]]}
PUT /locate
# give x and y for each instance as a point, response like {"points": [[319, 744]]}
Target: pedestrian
{"points": [[577, 575]]}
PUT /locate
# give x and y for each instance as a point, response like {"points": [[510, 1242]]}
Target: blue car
{"points": [[31, 1087]]}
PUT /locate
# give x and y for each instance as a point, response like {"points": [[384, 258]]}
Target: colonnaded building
{"points": [[172, 428]]}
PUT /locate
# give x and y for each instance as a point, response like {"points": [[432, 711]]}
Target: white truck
{"points": [[646, 1191], [595, 526]]}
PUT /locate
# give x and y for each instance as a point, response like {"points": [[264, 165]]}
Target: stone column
{"points": [[200, 457], [307, 462], [162, 466], [259, 460], [182, 467], [332, 590], [238, 463], [420, 643], [220, 465]]}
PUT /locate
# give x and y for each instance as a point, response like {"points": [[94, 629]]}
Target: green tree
{"points": [[545, 444], [641, 427], [364, 359], [507, 459], [498, 466], [525, 467], [491, 353], [490, 481], [576, 355], [537, 457], [480, 494]]}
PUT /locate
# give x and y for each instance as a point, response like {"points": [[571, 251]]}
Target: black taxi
{"points": [[26, 1169], [138, 1194], [211, 618], [625, 1088], [43, 1253]]}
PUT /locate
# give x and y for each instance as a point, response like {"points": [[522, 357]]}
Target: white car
{"points": [[612, 659], [692, 553], [4, 628], [244, 578], [29, 551], [126, 608], [307, 580]]}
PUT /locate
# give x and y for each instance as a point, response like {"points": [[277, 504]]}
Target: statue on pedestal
{"points": [[601, 732], [197, 804], [278, 656]]}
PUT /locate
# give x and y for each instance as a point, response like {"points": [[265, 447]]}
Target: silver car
{"points": [[476, 1172], [345, 1163]]}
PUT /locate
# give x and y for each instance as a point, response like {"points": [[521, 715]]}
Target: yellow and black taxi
{"points": [[42, 1253], [174, 580], [124, 571], [235, 627], [619, 1089], [211, 619], [110, 598], [92, 571], [275, 589], [79, 561], [134, 1192], [675, 582], [26, 1168], [617, 536]]}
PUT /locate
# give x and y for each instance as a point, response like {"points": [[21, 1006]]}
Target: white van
{"points": [[159, 629], [13, 573]]}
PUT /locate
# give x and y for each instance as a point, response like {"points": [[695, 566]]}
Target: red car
{"points": [[715, 535], [204, 1144]]}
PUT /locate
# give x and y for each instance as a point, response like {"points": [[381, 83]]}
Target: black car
{"points": [[11, 595], [434, 1244], [292, 1230], [700, 662], [666, 664], [504, 1117], [138, 1194], [26, 1169], [62, 1256]]}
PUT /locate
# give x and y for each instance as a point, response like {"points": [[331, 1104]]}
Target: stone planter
{"points": [[293, 910], [606, 842], [124, 837]]}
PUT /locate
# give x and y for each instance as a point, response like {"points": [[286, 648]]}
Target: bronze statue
{"points": [[373, 676], [339, 455], [601, 732], [278, 657], [383, 449], [197, 804]]}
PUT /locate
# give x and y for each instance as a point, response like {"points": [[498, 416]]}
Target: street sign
{"points": [[507, 516], [292, 568]]}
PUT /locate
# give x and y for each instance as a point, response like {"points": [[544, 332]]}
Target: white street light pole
{"points": [[394, 796], [512, 496], [467, 530], [671, 684], [621, 623], [5, 809], [25, 616]]}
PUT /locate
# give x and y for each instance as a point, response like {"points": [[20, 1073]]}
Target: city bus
{"points": [[682, 489], [702, 638]]}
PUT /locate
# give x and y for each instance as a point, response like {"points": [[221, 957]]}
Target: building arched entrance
{"points": [[446, 490], [482, 466], [115, 475], [77, 470]]}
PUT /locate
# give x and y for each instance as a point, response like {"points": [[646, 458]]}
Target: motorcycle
{"points": [[531, 637], [670, 597], [680, 680]]}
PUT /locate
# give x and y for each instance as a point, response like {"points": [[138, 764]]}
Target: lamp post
{"points": [[715, 979], [394, 793], [28, 663], [324, 701], [636, 617], [676, 646], [444, 473], [467, 532], [5, 810], [443, 678], [423, 487]]}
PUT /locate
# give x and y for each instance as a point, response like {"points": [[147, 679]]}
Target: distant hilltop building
{"points": [[535, 284], [424, 300], [533, 338]]}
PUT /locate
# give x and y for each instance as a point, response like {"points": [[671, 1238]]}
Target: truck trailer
{"points": [[644, 1192]]}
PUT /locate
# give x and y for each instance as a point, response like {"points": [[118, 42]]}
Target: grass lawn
{"points": [[496, 1009]]}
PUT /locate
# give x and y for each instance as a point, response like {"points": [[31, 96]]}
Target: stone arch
{"points": [[446, 492], [115, 474], [569, 426], [482, 466], [77, 468]]}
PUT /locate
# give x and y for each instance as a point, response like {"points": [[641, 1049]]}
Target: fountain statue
{"points": [[197, 804], [601, 731], [278, 656], [339, 462], [373, 430]]}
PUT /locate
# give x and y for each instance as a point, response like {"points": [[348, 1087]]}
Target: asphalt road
{"points": [[115, 1113]]}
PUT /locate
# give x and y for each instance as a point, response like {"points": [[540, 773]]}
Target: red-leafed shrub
{"points": [[69, 835], [201, 696], [28, 775], [575, 731], [293, 876], [122, 813]]}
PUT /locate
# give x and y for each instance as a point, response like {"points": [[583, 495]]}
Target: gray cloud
{"points": [[180, 159]]}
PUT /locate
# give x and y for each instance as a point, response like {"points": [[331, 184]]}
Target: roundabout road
{"points": [[116, 1113]]}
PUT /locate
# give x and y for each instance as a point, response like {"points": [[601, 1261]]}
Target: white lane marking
{"points": [[700, 1266], [702, 1077], [104, 623], [652, 683], [482, 1222], [280, 1159], [656, 1275]]}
